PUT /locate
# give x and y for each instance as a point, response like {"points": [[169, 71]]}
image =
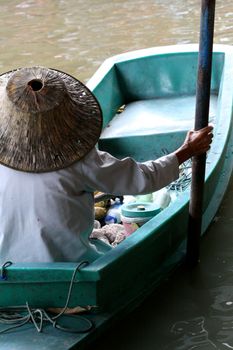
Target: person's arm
{"points": [[103, 172], [196, 143], [108, 174]]}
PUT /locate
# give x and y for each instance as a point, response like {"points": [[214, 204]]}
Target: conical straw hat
{"points": [[48, 119]]}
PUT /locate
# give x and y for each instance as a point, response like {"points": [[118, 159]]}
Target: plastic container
{"points": [[113, 215], [162, 198], [145, 198], [134, 215]]}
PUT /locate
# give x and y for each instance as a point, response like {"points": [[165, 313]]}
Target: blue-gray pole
{"points": [[201, 120]]}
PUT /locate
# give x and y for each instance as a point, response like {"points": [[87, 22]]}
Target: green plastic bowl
{"points": [[140, 209]]}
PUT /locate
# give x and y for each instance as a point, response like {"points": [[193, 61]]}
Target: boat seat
{"points": [[159, 115], [148, 129]]}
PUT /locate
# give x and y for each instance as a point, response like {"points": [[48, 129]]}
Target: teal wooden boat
{"points": [[157, 88]]}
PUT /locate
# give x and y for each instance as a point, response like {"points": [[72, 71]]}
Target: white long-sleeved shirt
{"points": [[48, 216]]}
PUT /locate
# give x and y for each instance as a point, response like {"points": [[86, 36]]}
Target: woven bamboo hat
{"points": [[48, 119]]}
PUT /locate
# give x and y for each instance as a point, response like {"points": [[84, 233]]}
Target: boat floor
{"points": [[27, 337], [154, 116]]}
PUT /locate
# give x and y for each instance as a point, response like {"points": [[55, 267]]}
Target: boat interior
{"points": [[150, 101]]}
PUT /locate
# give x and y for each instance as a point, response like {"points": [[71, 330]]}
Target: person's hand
{"points": [[195, 143], [199, 141]]}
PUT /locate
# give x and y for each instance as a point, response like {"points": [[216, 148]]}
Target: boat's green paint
{"points": [[127, 78], [126, 274]]}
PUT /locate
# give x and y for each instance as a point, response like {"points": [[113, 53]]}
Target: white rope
{"points": [[14, 314]]}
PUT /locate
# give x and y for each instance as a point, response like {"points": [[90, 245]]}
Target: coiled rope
{"points": [[17, 316]]}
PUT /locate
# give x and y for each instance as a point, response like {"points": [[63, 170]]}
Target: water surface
{"points": [[76, 35]]}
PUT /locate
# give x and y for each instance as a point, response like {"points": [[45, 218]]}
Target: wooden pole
{"points": [[201, 120]]}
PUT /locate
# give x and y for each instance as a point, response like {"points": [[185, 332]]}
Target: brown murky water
{"points": [[77, 35], [191, 310]]}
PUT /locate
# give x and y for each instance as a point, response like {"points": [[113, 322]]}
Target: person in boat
{"points": [[50, 166]]}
